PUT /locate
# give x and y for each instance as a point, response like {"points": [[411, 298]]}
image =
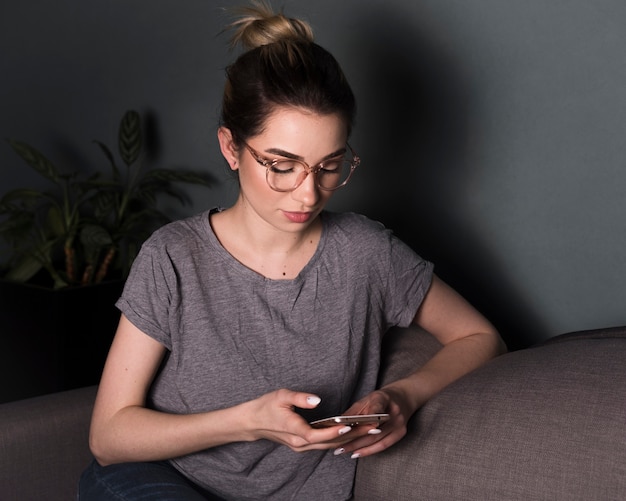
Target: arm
{"points": [[469, 340], [123, 429]]}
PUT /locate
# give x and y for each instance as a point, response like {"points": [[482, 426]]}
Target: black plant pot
{"points": [[54, 340]]}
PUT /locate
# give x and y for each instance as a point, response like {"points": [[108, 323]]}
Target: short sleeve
{"points": [[410, 277], [393, 278], [148, 293]]}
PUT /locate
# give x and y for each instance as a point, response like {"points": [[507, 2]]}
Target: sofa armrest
{"points": [[404, 351], [542, 423], [44, 445]]}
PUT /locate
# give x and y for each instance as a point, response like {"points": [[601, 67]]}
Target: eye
{"points": [[331, 166], [284, 166]]}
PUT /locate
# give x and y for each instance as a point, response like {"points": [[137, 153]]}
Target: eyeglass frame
{"points": [[267, 163]]}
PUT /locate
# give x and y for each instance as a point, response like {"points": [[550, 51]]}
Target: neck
{"points": [[268, 239], [264, 248]]}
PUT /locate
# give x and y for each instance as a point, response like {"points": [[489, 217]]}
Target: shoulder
{"points": [[367, 238], [353, 224], [176, 243], [181, 234], [170, 250], [354, 230], [358, 236]]}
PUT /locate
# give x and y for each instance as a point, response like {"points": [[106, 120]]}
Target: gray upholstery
{"points": [[547, 422], [44, 445]]}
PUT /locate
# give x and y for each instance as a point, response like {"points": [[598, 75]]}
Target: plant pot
{"points": [[54, 340]]}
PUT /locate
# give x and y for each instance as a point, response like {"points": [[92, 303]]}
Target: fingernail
{"points": [[374, 431], [313, 400], [338, 451], [356, 455], [344, 430]]}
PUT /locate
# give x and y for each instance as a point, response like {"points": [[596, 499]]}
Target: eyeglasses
{"points": [[288, 174]]}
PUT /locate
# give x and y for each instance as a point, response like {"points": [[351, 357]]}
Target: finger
{"points": [[312, 401], [365, 448], [370, 450], [372, 404], [298, 399]]}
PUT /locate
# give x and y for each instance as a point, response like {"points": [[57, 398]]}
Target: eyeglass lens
{"points": [[285, 175]]}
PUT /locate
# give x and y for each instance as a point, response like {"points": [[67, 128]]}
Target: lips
{"points": [[298, 217]]}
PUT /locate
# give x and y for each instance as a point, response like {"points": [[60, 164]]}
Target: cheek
{"points": [[250, 174], [252, 180]]}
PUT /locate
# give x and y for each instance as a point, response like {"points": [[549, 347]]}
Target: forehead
{"points": [[289, 125]]}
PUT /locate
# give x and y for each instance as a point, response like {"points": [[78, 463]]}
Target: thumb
{"points": [[307, 401], [302, 400]]}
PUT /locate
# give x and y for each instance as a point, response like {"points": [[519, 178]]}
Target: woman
{"points": [[241, 326]]}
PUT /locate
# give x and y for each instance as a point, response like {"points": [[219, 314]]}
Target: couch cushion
{"points": [[44, 445], [404, 351], [548, 422]]}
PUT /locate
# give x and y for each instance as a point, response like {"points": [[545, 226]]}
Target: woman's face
{"points": [[288, 133]]}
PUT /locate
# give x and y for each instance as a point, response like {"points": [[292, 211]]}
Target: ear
{"points": [[228, 147]]}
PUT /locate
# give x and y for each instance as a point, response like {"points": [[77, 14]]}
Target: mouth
{"points": [[298, 217]]}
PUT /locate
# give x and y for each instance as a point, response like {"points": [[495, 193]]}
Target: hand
{"points": [[373, 438], [272, 417]]}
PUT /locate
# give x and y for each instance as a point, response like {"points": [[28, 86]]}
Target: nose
{"points": [[308, 194]]}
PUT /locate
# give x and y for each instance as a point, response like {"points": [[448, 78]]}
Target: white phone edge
{"points": [[350, 420]]}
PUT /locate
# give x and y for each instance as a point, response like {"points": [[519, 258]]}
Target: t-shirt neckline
{"points": [[251, 274]]}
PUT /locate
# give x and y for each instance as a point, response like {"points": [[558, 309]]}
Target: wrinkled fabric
{"points": [[234, 335]]}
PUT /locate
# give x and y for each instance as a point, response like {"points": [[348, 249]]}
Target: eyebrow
{"points": [[286, 154]]}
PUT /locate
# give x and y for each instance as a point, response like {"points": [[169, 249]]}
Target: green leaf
{"points": [[25, 269], [55, 223], [36, 160], [20, 199], [113, 209], [130, 137], [181, 196], [28, 264], [18, 223], [109, 155], [180, 176], [100, 184], [103, 204], [93, 235], [59, 283]]}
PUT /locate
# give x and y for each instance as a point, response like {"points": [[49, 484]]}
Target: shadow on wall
{"points": [[413, 133]]}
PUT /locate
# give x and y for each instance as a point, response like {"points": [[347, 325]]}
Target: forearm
{"points": [[139, 434], [453, 361]]}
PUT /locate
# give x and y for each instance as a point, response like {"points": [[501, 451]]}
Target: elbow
{"points": [[98, 447], [96, 451], [488, 344], [503, 348], [498, 346]]}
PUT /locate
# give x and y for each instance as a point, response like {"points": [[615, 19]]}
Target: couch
{"points": [[543, 423]]}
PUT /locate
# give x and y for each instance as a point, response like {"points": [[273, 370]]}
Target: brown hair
{"points": [[282, 66]]}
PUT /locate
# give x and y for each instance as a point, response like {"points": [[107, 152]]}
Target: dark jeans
{"points": [[157, 481]]}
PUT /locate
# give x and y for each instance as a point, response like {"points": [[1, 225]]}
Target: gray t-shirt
{"points": [[234, 335]]}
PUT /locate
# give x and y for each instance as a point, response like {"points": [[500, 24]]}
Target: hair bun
{"points": [[259, 25]]}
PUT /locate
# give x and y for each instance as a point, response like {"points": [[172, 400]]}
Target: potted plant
{"points": [[70, 249]]}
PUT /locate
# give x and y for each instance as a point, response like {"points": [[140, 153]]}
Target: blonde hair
{"points": [[258, 25]]}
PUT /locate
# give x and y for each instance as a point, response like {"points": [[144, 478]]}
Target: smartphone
{"points": [[350, 420]]}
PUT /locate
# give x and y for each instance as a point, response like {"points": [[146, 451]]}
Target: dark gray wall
{"points": [[491, 131]]}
